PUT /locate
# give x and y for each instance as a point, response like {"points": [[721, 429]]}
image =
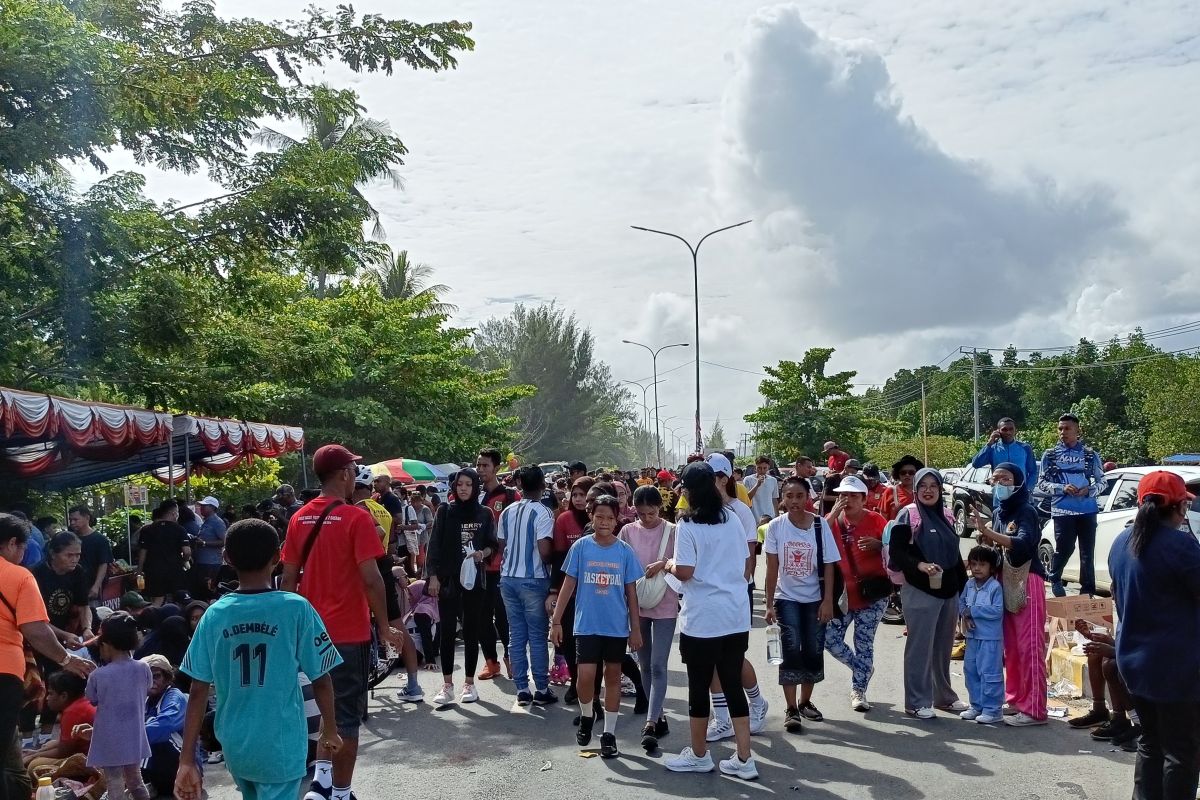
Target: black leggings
{"points": [[471, 607], [724, 655], [495, 623]]}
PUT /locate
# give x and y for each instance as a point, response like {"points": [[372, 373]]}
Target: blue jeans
{"points": [[528, 627], [1067, 530]]}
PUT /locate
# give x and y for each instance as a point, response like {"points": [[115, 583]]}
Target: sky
{"points": [[920, 176]]}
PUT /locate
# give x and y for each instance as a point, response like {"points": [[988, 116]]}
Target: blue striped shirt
{"points": [[522, 526]]}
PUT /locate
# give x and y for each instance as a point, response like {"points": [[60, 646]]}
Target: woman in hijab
{"points": [[924, 549], [1019, 533], [458, 524]]}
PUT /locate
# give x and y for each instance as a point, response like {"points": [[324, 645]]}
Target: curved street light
{"points": [[645, 405], [654, 363]]}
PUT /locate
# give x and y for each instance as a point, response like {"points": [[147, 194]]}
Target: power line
{"points": [[1163, 333]]}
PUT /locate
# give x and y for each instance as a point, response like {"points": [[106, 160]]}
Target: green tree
{"points": [[1162, 390], [716, 437], [399, 278], [578, 410], [945, 452]]}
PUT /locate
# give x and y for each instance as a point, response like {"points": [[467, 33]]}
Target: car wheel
{"points": [[960, 520], [1046, 556]]}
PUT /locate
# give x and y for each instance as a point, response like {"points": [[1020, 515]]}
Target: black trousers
{"points": [[723, 655], [1168, 754], [495, 624], [160, 769], [14, 782]]}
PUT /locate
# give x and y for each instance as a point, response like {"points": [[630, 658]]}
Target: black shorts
{"points": [[390, 595], [600, 649], [350, 687]]}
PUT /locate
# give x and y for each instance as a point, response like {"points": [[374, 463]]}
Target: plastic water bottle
{"points": [[44, 790], [774, 647]]}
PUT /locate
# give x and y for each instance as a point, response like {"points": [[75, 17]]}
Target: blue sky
{"points": [[921, 175]]}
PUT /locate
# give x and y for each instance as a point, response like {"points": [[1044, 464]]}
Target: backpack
{"points": [[914, 522]]}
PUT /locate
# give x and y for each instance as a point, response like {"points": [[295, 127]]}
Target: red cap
{"points": [[665, 476], [332, 457], [1165, 484]]}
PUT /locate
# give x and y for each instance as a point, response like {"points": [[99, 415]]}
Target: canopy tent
{"points": [[53, 443]]}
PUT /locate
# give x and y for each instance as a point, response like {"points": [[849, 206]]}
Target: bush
{"points": [[945, 452]]}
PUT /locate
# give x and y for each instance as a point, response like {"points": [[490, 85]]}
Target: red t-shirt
{"points": [[881, 500], [496, 501], [566, 530], [837, 461], [858, 564], [331, 580], [81, 712], [904, 497]]}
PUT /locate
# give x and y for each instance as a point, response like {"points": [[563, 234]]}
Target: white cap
{"points": [[210, 501], [851, 483], [719, 463]]}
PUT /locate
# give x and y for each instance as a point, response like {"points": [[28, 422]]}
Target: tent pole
{"points": [[171, 461], [187, 469]]}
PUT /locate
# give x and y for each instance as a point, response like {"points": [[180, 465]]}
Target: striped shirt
{"points": [[522, 526]]}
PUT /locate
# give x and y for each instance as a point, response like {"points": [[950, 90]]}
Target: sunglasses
{"points": [[907, 473]]}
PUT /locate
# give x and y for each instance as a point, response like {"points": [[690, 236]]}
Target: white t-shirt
{"points": [[797, 551], [746, 517], [714, 601], [763, 503]]}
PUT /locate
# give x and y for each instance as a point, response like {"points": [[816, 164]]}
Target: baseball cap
{"points": [[1165, 484], [132, 599], [719, 463], [851, 483], [853, 463], [664, 475], [828, 446], [332, 457], [159, 662], [210, 501], [576, 466]]}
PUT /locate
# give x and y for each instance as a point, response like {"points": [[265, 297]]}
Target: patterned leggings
{"points": [[861, 659]]}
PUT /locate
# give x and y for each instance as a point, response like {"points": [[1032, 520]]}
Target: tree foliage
{"points": [[944, 451], [716, 437]]}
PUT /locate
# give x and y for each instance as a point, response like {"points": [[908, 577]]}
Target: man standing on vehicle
{"points": [[1003, 446], [334, 567], [1073, 476], [837, 457]]}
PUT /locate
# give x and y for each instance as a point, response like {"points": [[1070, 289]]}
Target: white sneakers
{"points": [[1021, 719], [740, 769], [924, 713], [957, 707], [858, 701], [719, 729], [989, 719], [469, 694], [969, 715], [445, 695], [688, 761], [758, 716]]}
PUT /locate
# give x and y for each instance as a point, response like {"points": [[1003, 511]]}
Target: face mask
{"points": [[1002, 491]]}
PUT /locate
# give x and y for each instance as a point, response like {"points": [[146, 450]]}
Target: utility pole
{"points": [[924, 424], [974, 351]]}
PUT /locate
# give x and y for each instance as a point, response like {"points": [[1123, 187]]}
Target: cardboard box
{"points": [[1093, 609]]}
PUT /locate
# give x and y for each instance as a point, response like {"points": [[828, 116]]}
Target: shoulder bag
{"points": [[1015, 581], [312, 537], [650, 591], [870, 589]]}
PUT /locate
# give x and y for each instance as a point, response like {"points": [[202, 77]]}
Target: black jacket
{"points": [[904, 556], [454, 526]]}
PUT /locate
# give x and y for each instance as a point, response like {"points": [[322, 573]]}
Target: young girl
{"points": [[801, 554], [981, 611], [604, 570], [568, 528], [653, 540], [119, 691]]}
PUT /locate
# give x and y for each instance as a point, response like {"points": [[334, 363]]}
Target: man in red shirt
{"points": [[837, 457], [880, 497], [335, 568], [495, 497]]}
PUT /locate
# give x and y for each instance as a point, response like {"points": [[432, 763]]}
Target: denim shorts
{"points": [[803, 639]]}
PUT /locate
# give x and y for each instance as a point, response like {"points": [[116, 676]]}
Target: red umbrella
{"points": [[394, 469]]}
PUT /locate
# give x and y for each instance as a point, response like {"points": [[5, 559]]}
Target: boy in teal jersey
{"points": [[251, 645]]}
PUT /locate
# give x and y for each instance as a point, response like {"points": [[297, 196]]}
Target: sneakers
{"points": [[893, 615], [583, 736], [491, 670], [1107, 730], [921, 713], [858, 701], [1091, 719], [1126, 738], [1021, 720], [758, 716], [524, 698], [740, 769], [811, 713], [969, 715], [411, 695], [989, 719], [649, 739], [571, 697], [318, 792], [688, 761], [957, 707], [216, 757], [608, 745], [792, 721], [469, 694], [1008, 710], [445, 695], [661, 728], [719, 729], [544, 697]]}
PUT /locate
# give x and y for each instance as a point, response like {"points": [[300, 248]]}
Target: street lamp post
{"points": [[654, 364], [645, 405], [696, 289]]}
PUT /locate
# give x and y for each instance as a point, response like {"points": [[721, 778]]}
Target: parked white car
{"points": [[1118, 507]]}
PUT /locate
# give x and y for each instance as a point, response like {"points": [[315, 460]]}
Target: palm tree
{"points": [[334, 122], [401, 279]]}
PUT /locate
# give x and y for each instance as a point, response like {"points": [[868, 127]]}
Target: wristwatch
{"points": [[66, 660]]}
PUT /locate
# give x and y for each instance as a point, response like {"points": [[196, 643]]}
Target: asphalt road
{"points": [[492, 749]]}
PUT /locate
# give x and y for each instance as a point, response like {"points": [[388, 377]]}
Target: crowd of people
{"points": [[585, 580]]}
